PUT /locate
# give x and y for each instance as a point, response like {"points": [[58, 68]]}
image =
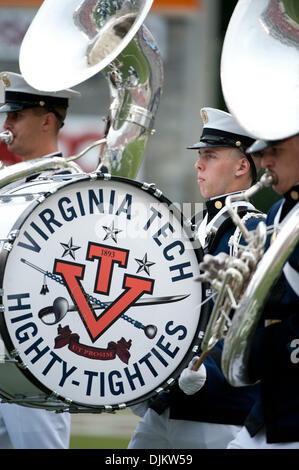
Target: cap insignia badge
{"points": [[204, 116], [5, 80]]}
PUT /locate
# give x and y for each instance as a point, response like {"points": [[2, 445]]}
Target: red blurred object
{"points": [[7, 157]]}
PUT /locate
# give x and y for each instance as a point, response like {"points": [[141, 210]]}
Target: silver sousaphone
{"points": [[260, 67], [71, 41], [259, 75]]}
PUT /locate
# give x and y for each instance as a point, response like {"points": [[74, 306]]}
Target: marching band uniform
{"points": [[274, 419], [20, 426], [213, 415]]}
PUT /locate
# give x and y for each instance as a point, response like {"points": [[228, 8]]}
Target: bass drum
{"points": [[99, 305]]}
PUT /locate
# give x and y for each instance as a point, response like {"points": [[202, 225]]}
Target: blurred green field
{"points": [[102, 431], [98, 442]]}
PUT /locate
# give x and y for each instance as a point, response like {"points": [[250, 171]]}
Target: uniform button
{"points": [[294, 195], [218, 204]]}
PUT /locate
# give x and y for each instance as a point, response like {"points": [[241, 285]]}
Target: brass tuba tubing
{"points": [[237, 343], [222, 272], [266, 180], [21, 170]]}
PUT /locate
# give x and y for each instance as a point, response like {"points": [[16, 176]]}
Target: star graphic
{"points": [[144, 264], [111, 232], [69, 248]]}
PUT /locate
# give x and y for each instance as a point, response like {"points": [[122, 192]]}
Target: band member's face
{"points": [[26, 128], [217, 168], [283, 160]]}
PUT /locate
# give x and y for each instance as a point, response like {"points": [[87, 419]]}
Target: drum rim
{"points": [[167, 384]]}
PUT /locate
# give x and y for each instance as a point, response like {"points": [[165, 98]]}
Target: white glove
{"points": [[191, 381]]}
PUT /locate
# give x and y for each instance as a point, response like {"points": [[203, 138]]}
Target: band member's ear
{"points": [[49, 120], [243, 166]]}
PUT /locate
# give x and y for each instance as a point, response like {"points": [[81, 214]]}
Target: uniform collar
{"points": [[293, 194], [291, 198], [215, 204]]}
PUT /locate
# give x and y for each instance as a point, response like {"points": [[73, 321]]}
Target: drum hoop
{"points": [[67, 180]]}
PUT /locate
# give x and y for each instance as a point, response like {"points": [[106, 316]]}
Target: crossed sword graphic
{"points": [[61, 306]]}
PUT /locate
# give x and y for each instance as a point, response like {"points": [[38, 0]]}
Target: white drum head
{"points": [[99, 293]]}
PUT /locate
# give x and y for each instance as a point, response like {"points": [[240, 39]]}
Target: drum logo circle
{"points": [[99, 294]]}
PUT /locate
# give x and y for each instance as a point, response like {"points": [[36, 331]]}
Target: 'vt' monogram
{"points": [[134, 286]]}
